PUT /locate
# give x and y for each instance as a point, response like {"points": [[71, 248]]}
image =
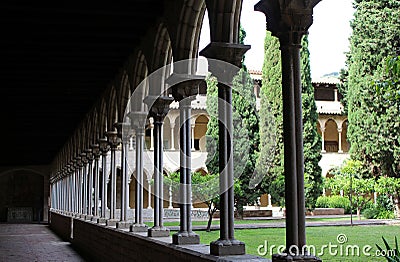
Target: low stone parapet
{"points": [[326, 211]]}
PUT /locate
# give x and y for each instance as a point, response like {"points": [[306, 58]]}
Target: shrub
{"points": [[334, 202], [378, 213]]}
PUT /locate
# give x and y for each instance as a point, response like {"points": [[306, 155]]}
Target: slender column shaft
{"points": [[299, 146], [113, 196], [172, 136], [192, 138], [289, 134], [152, 137], [229, 161], [139, 177], [90, 188], [67, 184], [84, 186], [80, 195], [157, 192], [96, 185], [340, 140], [323, 139], [223, 157], [104, 184], [124, 181], [149, 195], [185, 147], [71, 184]]}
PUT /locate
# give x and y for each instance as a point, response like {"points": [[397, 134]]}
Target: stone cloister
{"points": [[139, 94]]}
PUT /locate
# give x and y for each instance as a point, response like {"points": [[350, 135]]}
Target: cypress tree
{"points": [[311, 139], [376, 30], [270, 161]]}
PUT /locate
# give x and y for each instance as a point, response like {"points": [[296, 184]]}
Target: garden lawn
{"points": [[318, 236]]}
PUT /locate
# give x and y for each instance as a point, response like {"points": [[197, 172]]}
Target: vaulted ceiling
{"points": [[55, 61]]}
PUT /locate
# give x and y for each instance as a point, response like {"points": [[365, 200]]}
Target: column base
{"points": [[95, 218], [123, 224], [88, 217], [185, 238], [82, 216], [285, 257], [112, 222], [227, 248], [101, 220], [138, 228], [158, 232]]}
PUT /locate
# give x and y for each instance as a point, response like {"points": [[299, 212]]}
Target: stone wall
{"points": [[61, 225]]}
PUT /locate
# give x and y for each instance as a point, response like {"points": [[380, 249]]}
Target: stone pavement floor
{"points": [[33, 242]]}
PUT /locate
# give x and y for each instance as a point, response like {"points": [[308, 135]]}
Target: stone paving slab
{"points": [[33, 242]]}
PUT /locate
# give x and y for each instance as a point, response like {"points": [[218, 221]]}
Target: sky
{"points": [[328, 36]]}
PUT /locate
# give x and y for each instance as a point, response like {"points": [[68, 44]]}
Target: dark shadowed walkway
{"points": [[33, 242]]}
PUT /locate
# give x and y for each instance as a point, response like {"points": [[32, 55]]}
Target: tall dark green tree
{"points": [[245, 133], [376, 30], [270, 161], [311, 139], [271, 105], [374, 116]]}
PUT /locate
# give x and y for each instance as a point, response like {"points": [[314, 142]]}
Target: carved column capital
{"points": [[104, 146], [228, 52], [159, 106], [96, 151], [124, 131], [184, 85], [138, 120], [113, 139], [89, 154], [84, 158], [288, 20]]}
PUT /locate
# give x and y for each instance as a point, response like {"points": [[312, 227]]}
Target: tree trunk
{"points": [[359, 213], [210, 217]]}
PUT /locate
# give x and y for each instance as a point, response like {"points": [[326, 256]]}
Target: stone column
{"points": [[340, 151], [84, 184], [96, 155], [104, 148], [289, 21], [151, 120], [89, 193], [138, 120], [130, 143], [192, 132], [185, 92], [149, 194], [172, 135], [124, 134], [323, 139], [233, 54], [113, 140], [159, 107], [79, 167]]}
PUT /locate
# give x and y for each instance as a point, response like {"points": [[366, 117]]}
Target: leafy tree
{"points": [[389, 186], [270, 161], [349, 180], [312, 140]]}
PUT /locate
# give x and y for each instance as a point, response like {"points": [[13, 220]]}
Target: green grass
{"points": [[318, 236], [251, 221]]}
